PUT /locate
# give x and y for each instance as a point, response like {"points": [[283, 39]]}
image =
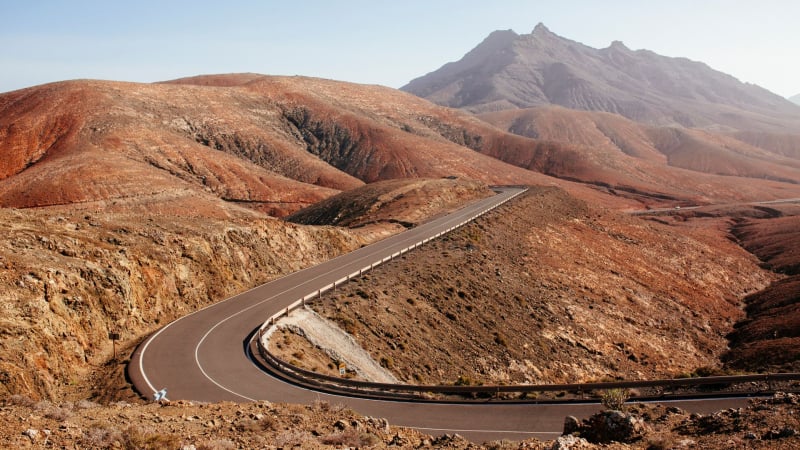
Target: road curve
{"points": [[202, 356]]}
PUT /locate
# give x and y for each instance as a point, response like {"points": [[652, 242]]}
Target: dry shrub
{"points": [[134, 438], [614, 399], [99, 437], [267, 423], [86, 404], [293, 438], [350, 438], [20, 400], [347, 438], [219, 444], [321, 405], [53, 412]]}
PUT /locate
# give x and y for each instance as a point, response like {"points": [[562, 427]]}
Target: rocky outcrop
{"points": [[607, 426], [68, 280]]}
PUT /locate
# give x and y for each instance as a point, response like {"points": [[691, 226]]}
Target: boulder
{"points": [[607, 426]]}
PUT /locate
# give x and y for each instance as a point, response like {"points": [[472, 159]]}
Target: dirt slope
{"points": [[621, 153], [769, 338], [550, 289], [68, 279], [394, 201]]}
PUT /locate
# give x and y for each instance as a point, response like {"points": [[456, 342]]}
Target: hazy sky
{"points": [[375, 41]]}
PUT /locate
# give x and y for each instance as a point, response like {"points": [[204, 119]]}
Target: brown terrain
{"points": [[549, 289], [628, 149], [404, 201], [124, 206], [769, 338], [24, 423]]}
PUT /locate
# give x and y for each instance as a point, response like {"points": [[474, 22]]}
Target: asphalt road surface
{"points": [[201, 357]]}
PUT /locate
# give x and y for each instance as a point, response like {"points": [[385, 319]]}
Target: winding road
{"points": [[203, 357]]}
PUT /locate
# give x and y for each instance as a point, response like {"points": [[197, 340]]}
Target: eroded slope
{"points": [[550, 289]]}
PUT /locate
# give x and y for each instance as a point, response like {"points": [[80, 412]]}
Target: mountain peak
{"points": [[541, 29], [507, 71], [618, 45], [541, 32]]}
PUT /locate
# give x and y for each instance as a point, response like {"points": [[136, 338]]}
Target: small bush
{"points": [[134, 438], [218, 444], [321, 405], [292, 438], [21, 400], [463, 381], [347, 438], [86, 404], [100, 437], [269, 423], [53, 412], [615, 398]]}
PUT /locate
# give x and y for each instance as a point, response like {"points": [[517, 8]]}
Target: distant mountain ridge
{"points": [[795, 99], [512, 71]]}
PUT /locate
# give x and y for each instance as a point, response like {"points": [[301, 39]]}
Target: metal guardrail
{"points": [[365, 389]]}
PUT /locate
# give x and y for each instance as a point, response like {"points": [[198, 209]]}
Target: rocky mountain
{"points": [[509, 71], [795, 99]]}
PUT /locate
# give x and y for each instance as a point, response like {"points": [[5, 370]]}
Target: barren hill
{"points": [[795, 99], [641, 154], [402, 201], [232, 145], [509, 71], [549, 289], [215, 144]]}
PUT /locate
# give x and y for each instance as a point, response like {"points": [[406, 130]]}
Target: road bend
{"points": [[202, 356]]}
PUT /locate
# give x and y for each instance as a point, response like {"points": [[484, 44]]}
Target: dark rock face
{"points": [[608, 426], [508, 71]]}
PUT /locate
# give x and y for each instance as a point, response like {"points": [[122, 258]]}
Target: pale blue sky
{"points": [[375, 41]]}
